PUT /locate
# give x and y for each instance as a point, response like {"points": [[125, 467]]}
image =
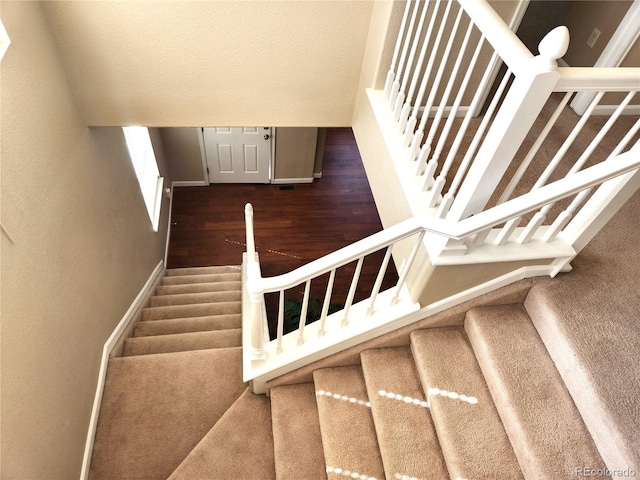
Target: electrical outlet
{"points": [[594, 37]]}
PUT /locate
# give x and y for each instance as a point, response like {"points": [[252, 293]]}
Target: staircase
{"points": [[480, 399]]}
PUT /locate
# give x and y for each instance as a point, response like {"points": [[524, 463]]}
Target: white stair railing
{"points": [[460, 178], [265, 360]]}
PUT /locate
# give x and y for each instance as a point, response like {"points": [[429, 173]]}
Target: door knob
{"points": [[266, 136]]}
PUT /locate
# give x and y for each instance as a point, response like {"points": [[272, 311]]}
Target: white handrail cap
{"points": [[555, 43]]}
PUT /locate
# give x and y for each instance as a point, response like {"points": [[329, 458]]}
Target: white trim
{"points": [[166, 245], [203, 154], [608, 110], [189, 183], [281, 181], [317, 175], [621, 42], [108, 347]]}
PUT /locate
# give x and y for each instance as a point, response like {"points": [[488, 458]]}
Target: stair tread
{"points": [[537, 411], [198, 287], [408, 442], [240, 444], [170, 272], [193, 310], [204, 278], [195, 298], [297, 444], [597, 360], [186, 325], [469, 428], [346, 423], [182, 342], [156, 408]]}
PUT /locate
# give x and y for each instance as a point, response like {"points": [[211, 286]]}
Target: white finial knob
{"points": [[555, 44]]}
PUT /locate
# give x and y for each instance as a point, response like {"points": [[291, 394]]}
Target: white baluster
{"points": [[404, 271], [391, 73], [506, 231], [440, 181], [409, 138], [406, 109], [303, 313], [541, 216], [414, 47], [414, 146], [480, 237], [534, 149], [567, 143], [326, 303], [534, 224], [443, 101], [447, 200], [563, 219], [352, 292], [280, 322], [378, 283], [405, 49]]}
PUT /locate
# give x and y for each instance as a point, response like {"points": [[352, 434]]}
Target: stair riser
{"points": [[184, 311], [187, 325], [198, 288], [187, 279], [172, 272], [182, 342], [194, 298]]}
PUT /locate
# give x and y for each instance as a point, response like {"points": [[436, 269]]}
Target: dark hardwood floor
{"points": [[292, 227]]}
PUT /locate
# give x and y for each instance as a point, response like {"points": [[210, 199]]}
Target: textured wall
{"points": [[84, 249], [212, 63]]}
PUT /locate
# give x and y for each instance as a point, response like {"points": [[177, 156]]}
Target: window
{"points": [[146, 167], [4, 40]]}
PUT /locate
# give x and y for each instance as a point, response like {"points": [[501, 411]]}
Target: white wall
{"points": [[84, 249], [213, 63]]}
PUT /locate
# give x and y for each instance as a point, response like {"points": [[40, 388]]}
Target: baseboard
{"points": [[190, 183], [110, 344], [286, 181], [317, 175]]}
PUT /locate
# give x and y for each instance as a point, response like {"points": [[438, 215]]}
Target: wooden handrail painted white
{"points": [[619, 79], [510, 48], [516, 207]]}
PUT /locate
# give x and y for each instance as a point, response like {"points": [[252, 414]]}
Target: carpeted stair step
{"points": [[346, 424], [182, 342], [598, 362], [195, 298], [471, 435], [172, 272], [185, 325], [183, 311], [239, 446], [207, 278], [546, 431], [156, 408], [198, 288], [296, 433], [408, 442]]}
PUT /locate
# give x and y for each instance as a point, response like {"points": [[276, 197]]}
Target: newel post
{"points": [[257, 334], [255, 296], [535, 79]]}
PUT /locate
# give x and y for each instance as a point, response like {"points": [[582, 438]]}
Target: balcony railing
{"points": [[464, 158]]}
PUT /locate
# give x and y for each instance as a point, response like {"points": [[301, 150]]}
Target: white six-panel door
{"points": [[238, 154]]}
